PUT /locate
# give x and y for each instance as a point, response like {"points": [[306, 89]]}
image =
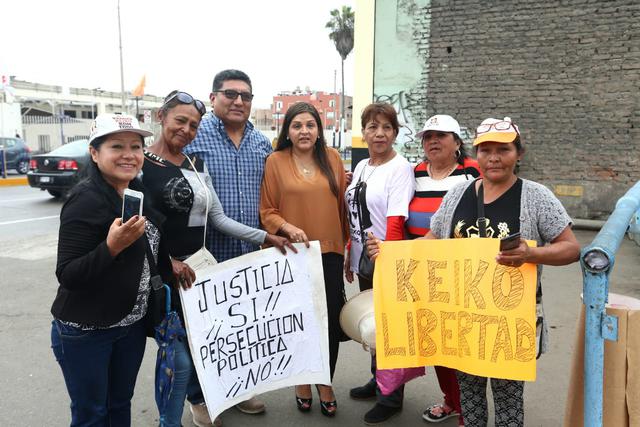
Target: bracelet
{"points": [[282, 226]]}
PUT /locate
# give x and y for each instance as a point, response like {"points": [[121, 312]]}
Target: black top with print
{"points": [[503, 214], [170, 188]]}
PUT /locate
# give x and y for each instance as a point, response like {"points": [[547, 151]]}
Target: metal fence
{"points": [[597, 260], [51, 120]]}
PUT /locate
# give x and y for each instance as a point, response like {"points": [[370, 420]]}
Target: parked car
{"points": [[17, 154], [58, 171]]}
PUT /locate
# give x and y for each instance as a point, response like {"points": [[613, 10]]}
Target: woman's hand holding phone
{"points": [[514, 251], [121, 236]]}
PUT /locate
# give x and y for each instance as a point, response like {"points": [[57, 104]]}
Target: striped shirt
{"points": [[236, 173], [429, 194]]}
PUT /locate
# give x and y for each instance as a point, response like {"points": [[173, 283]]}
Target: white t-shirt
{"points": [[389, 189]]}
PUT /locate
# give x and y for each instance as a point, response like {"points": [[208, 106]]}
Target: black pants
{"points": [[394, 399], [333, 266]]}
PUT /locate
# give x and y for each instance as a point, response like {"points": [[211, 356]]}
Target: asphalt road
{"points": [[32, 389]]}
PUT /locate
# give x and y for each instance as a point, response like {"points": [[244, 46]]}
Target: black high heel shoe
{"points": [[303, 404], [328, 408]]}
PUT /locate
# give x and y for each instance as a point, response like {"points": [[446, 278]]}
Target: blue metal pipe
{"points": [[597, 261]]}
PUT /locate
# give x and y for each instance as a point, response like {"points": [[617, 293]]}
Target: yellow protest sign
{"points": [[448, 303]]}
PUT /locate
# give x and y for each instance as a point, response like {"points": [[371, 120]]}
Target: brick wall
{"points": [[568, 72]]}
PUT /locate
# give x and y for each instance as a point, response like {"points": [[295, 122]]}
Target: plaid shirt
{"points": [[237, 176]]}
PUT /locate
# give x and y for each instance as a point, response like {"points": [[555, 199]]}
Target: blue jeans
{"points": [[100, 369], [184, 369]]}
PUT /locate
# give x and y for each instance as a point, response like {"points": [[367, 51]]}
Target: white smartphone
{"points": [[131, 204]]}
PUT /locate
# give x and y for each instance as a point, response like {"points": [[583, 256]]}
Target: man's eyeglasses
{"points": [[502, 125], [233, 95], [185, 98]]}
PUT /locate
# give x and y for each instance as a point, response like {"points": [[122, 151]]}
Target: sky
{"points": [[280, 44]]}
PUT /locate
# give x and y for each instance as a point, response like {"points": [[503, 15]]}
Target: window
{"points": [[332, 103], [7, 142], [88, 115], [278, 105], [70, 113]]}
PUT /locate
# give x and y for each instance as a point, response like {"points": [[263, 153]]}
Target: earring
{"points": [[458, 153], [518, 162]]}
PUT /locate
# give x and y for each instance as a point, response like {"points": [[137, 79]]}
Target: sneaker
{"points": [[365, 392], [201, 416], [380, 413], [252, 406], [437, 413]]}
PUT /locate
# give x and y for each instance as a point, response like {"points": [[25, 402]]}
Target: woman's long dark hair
{"points": [[320, 146]]}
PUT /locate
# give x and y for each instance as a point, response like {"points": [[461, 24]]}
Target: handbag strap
{"points": [[207, 196], [359, 208], [155, 280], [482, 220]]}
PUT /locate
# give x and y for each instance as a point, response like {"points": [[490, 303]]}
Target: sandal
{"points": [[437, 413], [303, 403], [328, 408]]}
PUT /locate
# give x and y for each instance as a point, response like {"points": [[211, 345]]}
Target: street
{"points": [[33, 391]]}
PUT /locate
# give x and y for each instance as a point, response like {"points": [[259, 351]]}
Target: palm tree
{"points": [[341, 32]]}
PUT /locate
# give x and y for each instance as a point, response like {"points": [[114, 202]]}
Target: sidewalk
{"points": [[12, 180]]}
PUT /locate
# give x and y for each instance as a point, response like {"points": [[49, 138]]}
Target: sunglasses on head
{"points": [[233, 95], [185, 98]]}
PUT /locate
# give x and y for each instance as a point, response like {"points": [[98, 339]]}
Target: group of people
{"points": [[211, 179]]}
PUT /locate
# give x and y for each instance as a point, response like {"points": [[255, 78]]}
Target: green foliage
{"points": [[341, 30]]}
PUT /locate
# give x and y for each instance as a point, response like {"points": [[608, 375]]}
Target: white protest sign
{"points": [[258, 323]]}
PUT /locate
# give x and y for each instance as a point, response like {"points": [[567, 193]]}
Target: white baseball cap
{"points": [[442, 123], [107, 124]]}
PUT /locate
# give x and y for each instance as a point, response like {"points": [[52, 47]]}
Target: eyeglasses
{"points": [[503, 125], [185, 98], [233, 95]]}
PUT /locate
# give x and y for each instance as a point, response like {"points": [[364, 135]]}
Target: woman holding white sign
{"points": [[500, 205], [301, 198], [181, 189]]}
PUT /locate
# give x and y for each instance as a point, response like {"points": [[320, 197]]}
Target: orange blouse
{"points": [[308, 203]]}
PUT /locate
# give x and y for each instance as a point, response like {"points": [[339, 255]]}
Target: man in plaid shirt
{"points": [[234, 153]]}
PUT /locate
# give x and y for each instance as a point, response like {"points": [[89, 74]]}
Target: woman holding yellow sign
{"points": [[501, 205]]}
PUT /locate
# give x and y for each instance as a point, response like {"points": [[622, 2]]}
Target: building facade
{"points": [[327, 104], [51, 115], [568, 73]]}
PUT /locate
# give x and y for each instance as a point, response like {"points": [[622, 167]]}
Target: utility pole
{"points": [[123, 95]]}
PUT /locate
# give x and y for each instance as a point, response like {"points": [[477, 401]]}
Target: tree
{"points": [[341, 32]]}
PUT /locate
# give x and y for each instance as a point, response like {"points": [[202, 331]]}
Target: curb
{"points": [[7, 182], [587, 224]]}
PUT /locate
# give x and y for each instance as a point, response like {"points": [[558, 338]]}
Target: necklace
{"points": [[305, 170], [440, 176]]}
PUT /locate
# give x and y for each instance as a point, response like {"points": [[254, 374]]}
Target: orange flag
{"points": [[138, 92]]}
